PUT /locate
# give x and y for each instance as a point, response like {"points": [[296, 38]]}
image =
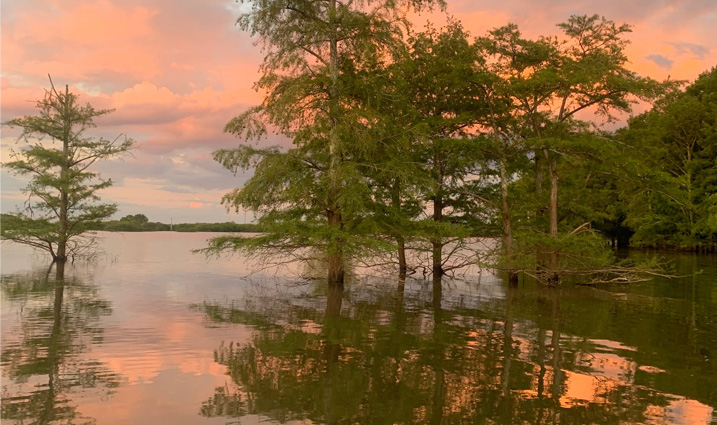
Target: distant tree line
{"points": [[140, 223]]}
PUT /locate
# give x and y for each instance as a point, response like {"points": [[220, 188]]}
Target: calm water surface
{"points": [[151, 334]]}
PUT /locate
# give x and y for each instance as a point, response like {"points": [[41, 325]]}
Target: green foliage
{"points": [[132, 226], [228, 226], [431, 95], [312, 196], [137, 218], [673, 203], [545, 89], [423, 141], [62, 191], [140, 223], [583, 252]]}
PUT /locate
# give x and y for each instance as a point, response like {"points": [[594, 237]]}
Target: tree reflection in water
{"points": [[378, 356], [42, 366]]}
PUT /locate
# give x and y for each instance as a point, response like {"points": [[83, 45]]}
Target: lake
{"points": [[150, 333]]}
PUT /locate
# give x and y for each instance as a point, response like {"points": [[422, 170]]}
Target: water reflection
{"points": [[475, 351], [41, 354], [393, 356]]}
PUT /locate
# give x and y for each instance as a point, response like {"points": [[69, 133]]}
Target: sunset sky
{"points": [[177, 70]]}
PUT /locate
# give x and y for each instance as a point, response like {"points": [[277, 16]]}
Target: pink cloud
{"points": [[84, 24]]}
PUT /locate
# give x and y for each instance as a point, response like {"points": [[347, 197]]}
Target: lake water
{"points": [[152, 334]]}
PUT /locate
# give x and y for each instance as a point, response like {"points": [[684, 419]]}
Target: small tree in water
{"points": [[62, 193]]}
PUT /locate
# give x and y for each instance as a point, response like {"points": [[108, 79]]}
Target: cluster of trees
{"points": [[676, 143], [228, 226], [132, 223], [413, 146], [423, 143], [140, 223]]}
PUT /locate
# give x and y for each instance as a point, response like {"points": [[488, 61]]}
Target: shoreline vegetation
{"points": [[140, 223], [229, 226]]}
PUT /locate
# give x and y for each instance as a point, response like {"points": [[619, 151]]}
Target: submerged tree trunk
{"points": [[335, 258], [542, 370], [506, 218], [553, 212], [335, 248], [438, 358], [402, 265], [437, 242], [400, 240], [334, 299], [506, 403]]}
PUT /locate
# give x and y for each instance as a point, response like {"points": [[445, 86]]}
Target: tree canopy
{"points": [[310, 199], [410, 147]]}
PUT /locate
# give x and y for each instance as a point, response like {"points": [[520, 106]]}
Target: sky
{"points": [[176, 71]]}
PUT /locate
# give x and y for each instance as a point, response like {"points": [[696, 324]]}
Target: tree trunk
{"points": [[553, 206], [334, 300], [335, 246], [437, 292], [402, 265], [335, 257], [540, 212], [61, 253], [553, 211], [400, 240], [437, 242], [538, 176], [506, 218]]}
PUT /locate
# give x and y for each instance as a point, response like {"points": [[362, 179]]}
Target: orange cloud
{"points": [[84, 24]]}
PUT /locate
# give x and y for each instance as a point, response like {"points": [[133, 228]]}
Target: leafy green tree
{"points": [[429, 100], [676, 144], [310, 196], [443, 75], [421, 103], [552, 83], [62, 192]]}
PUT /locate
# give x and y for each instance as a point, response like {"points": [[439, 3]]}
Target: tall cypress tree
{"points": [[62, 191], [310, 198]]}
